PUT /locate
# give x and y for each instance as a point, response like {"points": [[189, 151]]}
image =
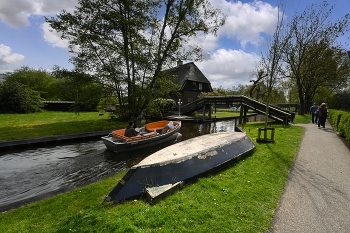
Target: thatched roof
{"points": [[186, 72]]}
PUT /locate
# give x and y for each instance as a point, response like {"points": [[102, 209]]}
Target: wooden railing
{"points": [[274, 112]]}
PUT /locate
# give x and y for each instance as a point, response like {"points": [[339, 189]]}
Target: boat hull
{"points": [[183, 162], [118, 146]]}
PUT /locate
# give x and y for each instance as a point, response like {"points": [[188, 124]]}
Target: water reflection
{"points": [[42, 172]]}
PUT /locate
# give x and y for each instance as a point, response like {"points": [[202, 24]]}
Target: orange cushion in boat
{"points": [[119, 134]]}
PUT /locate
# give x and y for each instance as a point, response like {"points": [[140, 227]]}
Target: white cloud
{"points": [[247, 22], [206, 42], [53, 37], [228, 68], [8, 58], [16, 12]]}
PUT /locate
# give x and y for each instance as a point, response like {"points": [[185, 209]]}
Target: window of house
{"points": [[194, 86], [200, 86], [190, 100]]}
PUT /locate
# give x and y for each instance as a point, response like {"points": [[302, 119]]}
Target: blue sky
{"points": [[230, 58]]}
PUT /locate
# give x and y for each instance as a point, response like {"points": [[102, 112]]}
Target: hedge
{"points": [[340, 121]]}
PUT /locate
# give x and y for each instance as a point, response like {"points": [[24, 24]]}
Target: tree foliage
{"points": [[340, 101], [78, 87], [16, 97], [38, 80], [159, 106], [220, 91], [268, 74], [126, 44], [312, 54]]}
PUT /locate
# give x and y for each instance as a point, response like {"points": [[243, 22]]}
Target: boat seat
{"points": [[119, 134], [166, 129], [156, 125], [149, 135]]}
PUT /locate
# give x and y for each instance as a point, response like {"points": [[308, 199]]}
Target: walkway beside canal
{"points": [[317, 195]]}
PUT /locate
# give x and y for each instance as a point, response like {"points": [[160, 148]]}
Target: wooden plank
{"points": [[155, 194]]}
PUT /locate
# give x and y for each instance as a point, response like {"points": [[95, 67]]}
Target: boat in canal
{"points": [[182, 162], [151, 134]]}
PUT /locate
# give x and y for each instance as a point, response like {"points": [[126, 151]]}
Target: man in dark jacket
{"points": [[314, 116], [130, 131]]}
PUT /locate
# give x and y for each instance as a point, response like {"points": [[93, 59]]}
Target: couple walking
{"points": [[319, 114]]}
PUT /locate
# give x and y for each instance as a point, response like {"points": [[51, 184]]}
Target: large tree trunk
{"points": [[301, 100]]}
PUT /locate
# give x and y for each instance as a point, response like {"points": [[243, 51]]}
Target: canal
{"points": [[38, 173]]}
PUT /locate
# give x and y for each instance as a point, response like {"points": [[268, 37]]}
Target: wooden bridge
{"points": [[246, 103]]}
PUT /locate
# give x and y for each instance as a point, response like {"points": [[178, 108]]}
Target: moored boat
{"points": [[152, 134], [183, 161]]}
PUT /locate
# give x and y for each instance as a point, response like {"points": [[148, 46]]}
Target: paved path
{"points": [[316, 198]]}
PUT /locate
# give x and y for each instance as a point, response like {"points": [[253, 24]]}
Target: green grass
{"points": [[241, 198], [223, 112], [33, 125], [302, 119]]}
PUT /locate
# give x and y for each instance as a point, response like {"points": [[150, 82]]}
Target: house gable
{"points": [[191, 80], [189, 72]]}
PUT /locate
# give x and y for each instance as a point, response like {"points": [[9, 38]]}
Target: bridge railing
{"points": [[274, 112], [193, 106]]}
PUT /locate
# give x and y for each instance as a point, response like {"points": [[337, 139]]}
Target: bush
{"points": [[17, 98], [334, 118], [159, 106], [340, 121], [344, 126]]}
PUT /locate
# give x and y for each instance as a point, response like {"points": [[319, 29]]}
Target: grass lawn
{"points": [[34, 125], [240, 198], [222, 112]]}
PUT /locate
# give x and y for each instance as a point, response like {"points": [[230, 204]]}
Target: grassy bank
{"points": [[34, 125], [241, 198]]}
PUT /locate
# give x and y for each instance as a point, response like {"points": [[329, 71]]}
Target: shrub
{"points": [[159, 106], [344, 126], [334, 118], [17, 98]]}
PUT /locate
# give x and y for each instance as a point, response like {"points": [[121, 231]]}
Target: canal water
{"points": [[38, 173]]}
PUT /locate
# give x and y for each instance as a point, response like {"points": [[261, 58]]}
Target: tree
{"points": [[126, 43], [325, 70], [37, 79], [340, 101], [239, 90], [78, 87], [271, 67], [311, 38], [18, 98], [219, 91]]}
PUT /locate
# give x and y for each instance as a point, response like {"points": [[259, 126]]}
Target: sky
{"points": [[230, 58]]}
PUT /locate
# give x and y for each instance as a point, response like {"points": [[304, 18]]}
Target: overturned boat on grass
{"points": [[182, 162], [152, 134]]}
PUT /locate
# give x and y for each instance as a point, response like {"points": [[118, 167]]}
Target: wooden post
{"points": [[209, 115], [204, 105], [266, 139], [241, 114]]}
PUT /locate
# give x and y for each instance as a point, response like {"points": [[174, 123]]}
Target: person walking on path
{"points": [[317, 194], [322, 115], [314, 115]]}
